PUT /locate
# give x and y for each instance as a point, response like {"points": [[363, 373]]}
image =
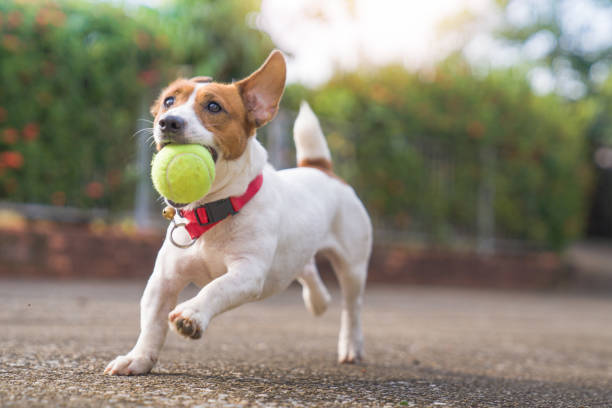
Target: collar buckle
{"points": [[215, 211]]}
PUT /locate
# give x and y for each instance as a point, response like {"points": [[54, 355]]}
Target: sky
{"points": [[321, 37]]}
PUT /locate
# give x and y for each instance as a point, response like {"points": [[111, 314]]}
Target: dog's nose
{"points": [[172, 124]]}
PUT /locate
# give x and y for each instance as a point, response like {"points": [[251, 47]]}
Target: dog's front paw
{"points": [[129, 365], [186, 323], [350, 358], [350, 349]]}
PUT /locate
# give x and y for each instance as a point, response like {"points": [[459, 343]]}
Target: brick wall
{"points": [[40, 249]]}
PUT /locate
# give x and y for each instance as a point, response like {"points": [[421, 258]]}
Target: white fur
{"points": [[260, 251], [308, 136]]}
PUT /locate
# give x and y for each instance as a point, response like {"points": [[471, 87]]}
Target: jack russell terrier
{"points": [[258, 229]]}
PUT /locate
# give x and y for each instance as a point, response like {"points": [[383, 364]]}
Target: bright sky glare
{"points": [[322, 35]]}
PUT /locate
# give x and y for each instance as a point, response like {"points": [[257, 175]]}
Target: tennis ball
{"points": [[183, 172]]}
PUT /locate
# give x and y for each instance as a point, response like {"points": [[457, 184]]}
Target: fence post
{"points": [[277, 133], [144, 192]]}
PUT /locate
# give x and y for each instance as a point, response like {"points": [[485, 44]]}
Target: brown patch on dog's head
{"points": [[245, 105], [229, 125], [180, 89]]}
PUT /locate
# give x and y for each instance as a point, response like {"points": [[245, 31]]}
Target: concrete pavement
{"points": [[425, 347]]}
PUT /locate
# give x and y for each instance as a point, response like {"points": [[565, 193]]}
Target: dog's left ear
{"points": [[262, 90]]}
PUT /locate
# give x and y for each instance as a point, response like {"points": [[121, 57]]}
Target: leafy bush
{"points": [[420, 148], [75, 76], [72, 76]]}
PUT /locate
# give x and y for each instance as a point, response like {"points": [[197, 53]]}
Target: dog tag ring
{"points": [[169, 213], [176, 244]]}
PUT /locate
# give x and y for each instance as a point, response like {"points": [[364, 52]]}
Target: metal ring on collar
{"points": [[176, 244]]}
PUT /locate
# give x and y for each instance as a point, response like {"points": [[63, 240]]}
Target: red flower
{"points": [[14, 19], [9, 136], [149, 77], [13, 160], [30, 131], [50, 16], [94, 190]]}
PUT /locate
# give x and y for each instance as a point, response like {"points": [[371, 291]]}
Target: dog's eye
{"points": [[213, 107], [169, 101]]}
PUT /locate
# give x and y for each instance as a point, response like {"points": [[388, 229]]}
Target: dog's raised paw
{"points": [[129, 365], [186, 326]]}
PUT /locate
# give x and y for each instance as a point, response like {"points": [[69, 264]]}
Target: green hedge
{"points": [[76, 75], [72, 76], [419, 147]]}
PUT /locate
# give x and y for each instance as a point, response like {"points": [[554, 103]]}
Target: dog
{"points": [[261, 227]]}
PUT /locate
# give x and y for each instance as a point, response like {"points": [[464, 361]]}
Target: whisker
{"points": [[144, 130], [146, 120], [151, 140]]}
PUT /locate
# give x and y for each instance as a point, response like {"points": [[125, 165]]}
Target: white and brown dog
{"points": [[285, 218]]}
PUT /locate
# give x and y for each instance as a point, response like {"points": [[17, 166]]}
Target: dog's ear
{"points": [[262, 90]]}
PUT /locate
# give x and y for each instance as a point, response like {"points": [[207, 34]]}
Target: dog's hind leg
{"points": [[352, 279], [315, 294]]}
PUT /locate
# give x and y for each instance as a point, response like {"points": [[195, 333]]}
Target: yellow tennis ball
{"points": [[183, 173]]}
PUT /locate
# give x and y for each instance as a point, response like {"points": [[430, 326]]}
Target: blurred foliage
{"points": [[213, 37], [422, 145], [569, 50], [576, 56], [75, 76], [71, 77]]}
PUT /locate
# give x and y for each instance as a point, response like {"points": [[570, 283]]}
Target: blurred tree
{"points": [[568, 41], [578, 58], [213, 37]]}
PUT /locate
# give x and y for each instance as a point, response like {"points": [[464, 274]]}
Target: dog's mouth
{"points": [[212, 150], [174, 204], [215, 156]]}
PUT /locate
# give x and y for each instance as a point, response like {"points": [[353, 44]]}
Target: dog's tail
{"points": [[310, 144]]}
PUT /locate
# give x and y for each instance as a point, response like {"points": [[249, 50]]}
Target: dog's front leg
{"points": [[157, 301], [243, 282]]}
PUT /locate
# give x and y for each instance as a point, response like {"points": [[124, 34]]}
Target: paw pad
{"points": [[188, 328]]}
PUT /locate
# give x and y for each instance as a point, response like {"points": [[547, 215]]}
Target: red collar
{"points": [[206, 216]]}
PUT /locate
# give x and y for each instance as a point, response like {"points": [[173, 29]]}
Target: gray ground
{"points": [[425, 347]]}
